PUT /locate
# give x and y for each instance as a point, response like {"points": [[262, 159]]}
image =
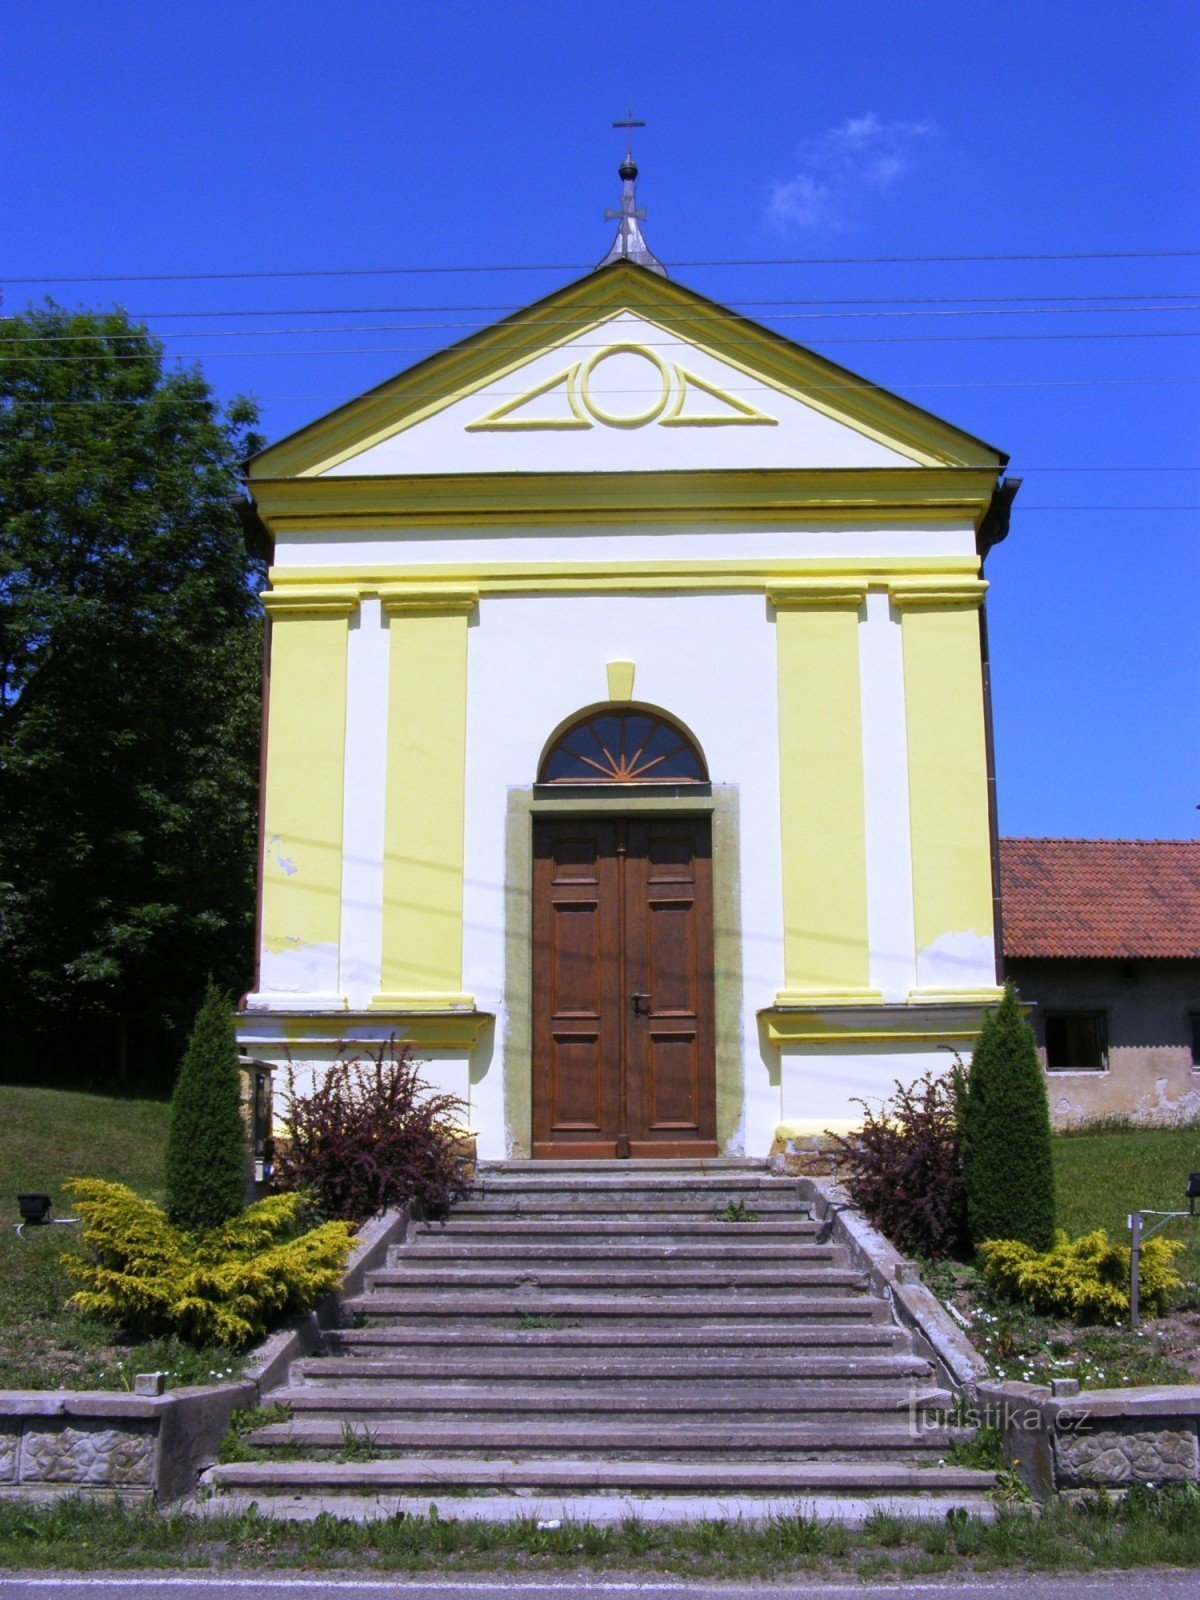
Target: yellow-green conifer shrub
{"points": [[1085, 1278], [224, 1286]]}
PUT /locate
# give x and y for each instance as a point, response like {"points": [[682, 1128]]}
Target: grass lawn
{"points": [[48, 1136], [1149, 1529], [1101, 1177]]}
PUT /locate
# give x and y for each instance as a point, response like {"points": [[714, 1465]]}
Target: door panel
{"points": [[576, 1039], [624, 1035], [671, 1056]]}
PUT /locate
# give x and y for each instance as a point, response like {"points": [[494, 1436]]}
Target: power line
{"points": [[1032, 301], [394, 350], [1019, 507], [1193, 304], [577, 266], [825, 388]]}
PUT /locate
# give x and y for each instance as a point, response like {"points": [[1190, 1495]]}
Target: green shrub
{"points": [[371, 1133], [1008, 1168], [206, 1140], [1086, 1278], [225, 1286], [904, 1166]]}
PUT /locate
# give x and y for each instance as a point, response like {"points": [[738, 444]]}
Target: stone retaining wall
{"points": [[139, 1446], [151, 1445], [1068, 1441]]}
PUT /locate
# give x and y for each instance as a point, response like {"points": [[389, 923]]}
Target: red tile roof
{"points": [[1101, 897]]}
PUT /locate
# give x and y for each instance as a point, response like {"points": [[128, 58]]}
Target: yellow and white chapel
{"points": [[627, 734]]}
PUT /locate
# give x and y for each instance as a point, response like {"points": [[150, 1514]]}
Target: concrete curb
{"points": [[267, 1364], [896, 1278]]}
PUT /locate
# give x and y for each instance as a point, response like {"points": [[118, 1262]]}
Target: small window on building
{"points": [[1195, 1021], [1076, 1041]]}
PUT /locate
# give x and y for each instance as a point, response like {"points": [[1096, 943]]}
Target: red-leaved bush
{"points": [[904, 1167], [372, 1134]]}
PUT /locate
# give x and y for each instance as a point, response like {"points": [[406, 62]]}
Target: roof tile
{"points": [[1101, 897]]}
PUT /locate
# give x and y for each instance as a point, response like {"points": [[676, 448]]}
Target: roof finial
{"points": [[629, 244]]}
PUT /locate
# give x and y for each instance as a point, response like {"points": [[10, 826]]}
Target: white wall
{"points": [[821, 1082], [890, 927], [429, 546], [707, 659]]}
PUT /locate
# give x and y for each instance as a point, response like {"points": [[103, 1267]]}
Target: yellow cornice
{"points": [[948, 1015], [458, 586], [792, 496], [404, 600], [909, 595], [816, 594], [328, 600], [490, 354]]}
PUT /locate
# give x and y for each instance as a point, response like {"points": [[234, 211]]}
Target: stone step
{"points": [[631, 1206], [580, 1366], [629, 1251], [644, 1440], [662, 1179], [794, 1479], [682, 1337], [651, 1280], [849, 1507], [698, 1310], [522, 1400], [663, 1228], [638, 1164]]}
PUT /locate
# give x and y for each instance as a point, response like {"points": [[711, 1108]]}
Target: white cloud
{"points": [[837, 168]]}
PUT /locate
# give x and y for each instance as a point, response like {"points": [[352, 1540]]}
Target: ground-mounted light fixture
{"points": [[35, 1213], [1191, 1190]]}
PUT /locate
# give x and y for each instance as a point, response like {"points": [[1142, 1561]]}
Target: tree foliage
{"points": [[206, 1140], [1007, 1161], [129, 685]]}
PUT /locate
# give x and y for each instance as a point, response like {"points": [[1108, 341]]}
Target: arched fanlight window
{"points": [[629, 745]]}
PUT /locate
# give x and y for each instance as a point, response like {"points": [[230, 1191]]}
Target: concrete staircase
{"points": [[580, 1338]]}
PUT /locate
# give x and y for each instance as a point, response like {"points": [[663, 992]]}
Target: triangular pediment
{"points": [[623, 371]]}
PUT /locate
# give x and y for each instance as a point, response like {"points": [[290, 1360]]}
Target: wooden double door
{"points": [[624, 1059]]}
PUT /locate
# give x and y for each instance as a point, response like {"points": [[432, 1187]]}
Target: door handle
{"points": [[640, 1009]]}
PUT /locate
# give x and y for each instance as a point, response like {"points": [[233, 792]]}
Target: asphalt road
{"points": [[166, 1586]]}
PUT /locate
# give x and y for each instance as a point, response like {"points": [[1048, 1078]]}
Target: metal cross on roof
{"points": [[629, 243]]}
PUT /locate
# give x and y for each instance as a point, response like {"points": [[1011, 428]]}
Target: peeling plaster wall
{"points": [[1150, 1076]]}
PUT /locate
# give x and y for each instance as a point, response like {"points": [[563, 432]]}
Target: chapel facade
{"points": [[627, 746]]}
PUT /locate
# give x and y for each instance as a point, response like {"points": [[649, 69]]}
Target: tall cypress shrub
{"points": [[206, 1141], [1007, 1164]]}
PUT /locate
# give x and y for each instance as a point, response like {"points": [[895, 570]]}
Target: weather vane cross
{"points": [[629, 243], [629, 121]]}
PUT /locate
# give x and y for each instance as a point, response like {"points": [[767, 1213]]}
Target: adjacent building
{"points": [[1103, 937]]}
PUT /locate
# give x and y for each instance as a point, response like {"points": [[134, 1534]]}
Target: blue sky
{"points": [[303, 137]]}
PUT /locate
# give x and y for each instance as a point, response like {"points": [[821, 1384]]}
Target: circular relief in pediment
{"points": [[624, 385]]}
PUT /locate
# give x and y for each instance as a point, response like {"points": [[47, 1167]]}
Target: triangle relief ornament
{"points": [[621, 386]]}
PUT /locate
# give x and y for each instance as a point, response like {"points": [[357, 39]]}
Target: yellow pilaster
{"points": [[826, 952], [306, 734], [426, 785], [947, 788]]}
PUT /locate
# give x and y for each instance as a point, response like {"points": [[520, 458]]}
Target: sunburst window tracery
{"points": [[625, 746]]}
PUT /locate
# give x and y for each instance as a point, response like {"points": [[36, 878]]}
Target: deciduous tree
{"points": [[129, 692]]}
